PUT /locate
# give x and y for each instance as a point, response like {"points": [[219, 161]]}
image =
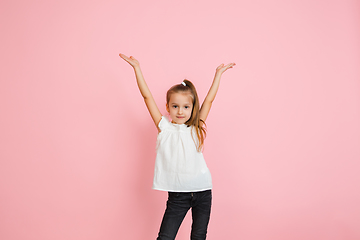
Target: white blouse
{"points": [[179, 167]]}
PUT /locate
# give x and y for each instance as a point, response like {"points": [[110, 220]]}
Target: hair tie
{"points": [[183, 83]]}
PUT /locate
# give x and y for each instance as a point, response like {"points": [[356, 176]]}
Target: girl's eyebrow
{"points": [[186, 105], [178, 104]]}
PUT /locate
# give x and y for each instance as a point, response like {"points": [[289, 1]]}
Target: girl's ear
{"points": [[167, 108]]}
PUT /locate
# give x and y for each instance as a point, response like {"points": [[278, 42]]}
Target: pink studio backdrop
{"points": [[78, 145]]}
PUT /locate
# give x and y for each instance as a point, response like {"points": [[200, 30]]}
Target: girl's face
{"points": [[180, 107]]}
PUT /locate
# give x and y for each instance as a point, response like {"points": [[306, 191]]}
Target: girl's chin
{"points": [[179, 120]]}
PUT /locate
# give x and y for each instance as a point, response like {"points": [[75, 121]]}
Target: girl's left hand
{"points": [[222, 68]]}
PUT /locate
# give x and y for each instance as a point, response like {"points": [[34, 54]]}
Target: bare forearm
{"points": [[205, 108], [214, 88], [144, 90]]}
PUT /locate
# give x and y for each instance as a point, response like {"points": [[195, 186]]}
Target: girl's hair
{"points": [[194, 120]]}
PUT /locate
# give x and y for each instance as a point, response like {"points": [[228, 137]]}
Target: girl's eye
{"points": [[186, 107], [174, 106]]}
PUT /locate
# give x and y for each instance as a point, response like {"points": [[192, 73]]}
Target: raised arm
{"points": [[205, 107], [144, 90]]}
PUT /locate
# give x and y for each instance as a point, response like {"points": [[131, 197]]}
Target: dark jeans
{"points": [[177, 206]]}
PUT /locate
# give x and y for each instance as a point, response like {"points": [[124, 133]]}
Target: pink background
{"points": [[78, 145]]}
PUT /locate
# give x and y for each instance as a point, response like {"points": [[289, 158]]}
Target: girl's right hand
{"points": [[131, 60]]}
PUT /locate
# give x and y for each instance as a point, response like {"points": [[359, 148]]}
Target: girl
{"points": [[180, 168]]}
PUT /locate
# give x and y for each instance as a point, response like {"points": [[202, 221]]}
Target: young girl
{"points": [[180, 168]]}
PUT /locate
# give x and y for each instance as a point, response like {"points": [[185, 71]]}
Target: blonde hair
{"points": [[194, 120]]}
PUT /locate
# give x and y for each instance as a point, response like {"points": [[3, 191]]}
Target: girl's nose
{"points": [[180, 111]]}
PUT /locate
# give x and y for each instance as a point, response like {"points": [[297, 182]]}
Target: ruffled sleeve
{"points": [[164, 123]]}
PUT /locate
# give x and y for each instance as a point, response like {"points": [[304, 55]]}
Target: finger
{"points": [[124, 57], [231, 65]]}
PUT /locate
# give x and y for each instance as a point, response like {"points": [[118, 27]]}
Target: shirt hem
{"points": [[172, 190]]}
